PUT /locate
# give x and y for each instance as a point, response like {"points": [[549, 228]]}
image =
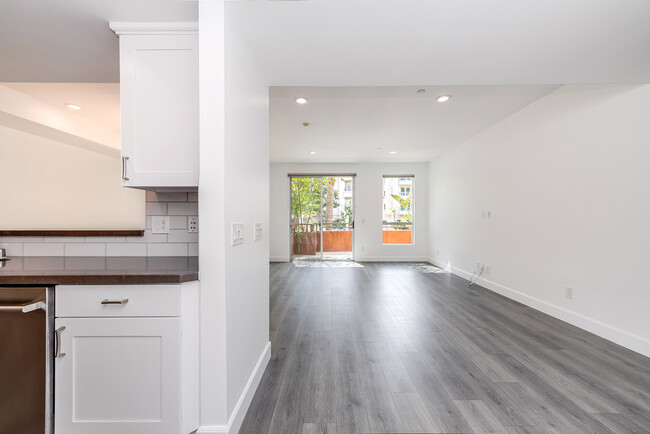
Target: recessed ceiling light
{"points": [[312, 152], [421, 91], [393, 152], [302, 100], [73, 106], [443, 98]]}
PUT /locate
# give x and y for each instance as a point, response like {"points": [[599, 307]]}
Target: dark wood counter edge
{"points": [[72, 233], [99, 279]]}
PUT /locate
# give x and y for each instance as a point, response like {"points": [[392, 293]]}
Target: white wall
{"points": [[48, 184], [368, 209], [567, 182], [247, 201], [233, 187]]}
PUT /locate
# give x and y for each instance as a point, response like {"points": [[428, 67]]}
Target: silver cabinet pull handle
{"points": [[107, 301], [124, 160], [57, 334]]}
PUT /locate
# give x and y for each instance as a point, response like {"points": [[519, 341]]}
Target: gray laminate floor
{"points": [[400, 348]]}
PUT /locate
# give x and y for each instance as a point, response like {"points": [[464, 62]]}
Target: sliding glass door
{"points": [[322, 217]]}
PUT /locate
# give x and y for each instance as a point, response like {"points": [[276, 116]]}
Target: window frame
{"points": [[412, 223]]}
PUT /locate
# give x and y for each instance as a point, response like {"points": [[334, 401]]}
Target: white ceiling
{"points": [[349, 124], [354, 42], [69, 41], [99, 102], [444, 46], [430, 42]]}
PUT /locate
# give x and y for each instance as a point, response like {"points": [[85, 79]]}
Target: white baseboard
{"points": [[278, 259], [606, 331], [239, 412], [391, 259]]}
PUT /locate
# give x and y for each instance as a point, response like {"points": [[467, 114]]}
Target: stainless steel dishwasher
{"points": [[26, 359]]}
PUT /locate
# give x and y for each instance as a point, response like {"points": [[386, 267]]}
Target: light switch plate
{"points": [[159, 224], [237, 233], [258, 232]]}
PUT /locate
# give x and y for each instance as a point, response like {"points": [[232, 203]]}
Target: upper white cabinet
{"points": [[159, 101]]}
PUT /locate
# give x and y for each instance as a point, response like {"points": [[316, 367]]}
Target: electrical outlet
{"points": [[159, 224], [363, 248], [486, 269], [478, 266], [258, 232], [237, 233], [192, 224], [568, 292], [437, 253]]}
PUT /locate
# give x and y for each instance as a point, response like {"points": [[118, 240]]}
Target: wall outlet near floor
{"points": [[192, 223], [568, 292], [159, 224], [437, 253], [237, 233]]}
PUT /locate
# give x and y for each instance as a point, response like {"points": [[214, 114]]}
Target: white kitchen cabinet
{"points": [[159, 103], [120, 373]]}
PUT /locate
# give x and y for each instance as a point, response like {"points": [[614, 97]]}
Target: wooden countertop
{"points": [[58, 270]]}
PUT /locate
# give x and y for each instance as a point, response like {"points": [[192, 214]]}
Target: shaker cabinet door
{"points": [[117, 376], [159, 101]]}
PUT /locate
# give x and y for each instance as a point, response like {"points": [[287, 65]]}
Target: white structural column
{"points": [[211, 215], [233, 187]]}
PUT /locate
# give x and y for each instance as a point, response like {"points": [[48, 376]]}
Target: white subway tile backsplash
{"points": [[85, 249], [148, 237], [105, 239], [13, 249], [127, 249], [43, 249], [178, 206], [22, 239], [156, 208], [179, 249], [186, 208], [171, 197], [63, 239], [182, 236], [178, 222]]}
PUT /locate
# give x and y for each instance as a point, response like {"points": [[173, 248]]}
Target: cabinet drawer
{"points": [[117, 300]]}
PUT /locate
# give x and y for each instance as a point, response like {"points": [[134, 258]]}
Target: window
{"points": [[397, 218]]}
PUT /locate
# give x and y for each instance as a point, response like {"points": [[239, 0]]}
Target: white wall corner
{"points": [[239, 412]]}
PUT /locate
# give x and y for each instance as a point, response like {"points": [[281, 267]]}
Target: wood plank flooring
{"points": [[399, 348]]}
